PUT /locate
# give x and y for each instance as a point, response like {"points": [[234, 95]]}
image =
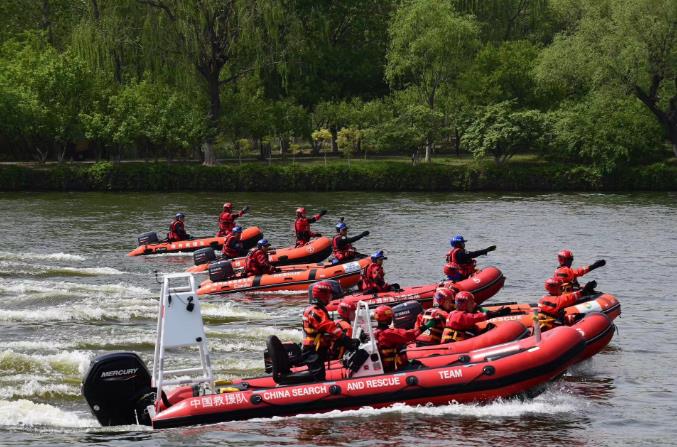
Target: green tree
{"points": [[629, 46], [501, 132], [430, 46]]}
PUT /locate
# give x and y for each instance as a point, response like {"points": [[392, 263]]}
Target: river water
{"points": [[69, 293]]}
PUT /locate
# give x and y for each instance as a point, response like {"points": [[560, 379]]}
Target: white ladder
{"points": [[180, 324]]}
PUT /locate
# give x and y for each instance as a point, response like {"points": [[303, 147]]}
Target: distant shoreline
{"points": [[391, 176]]}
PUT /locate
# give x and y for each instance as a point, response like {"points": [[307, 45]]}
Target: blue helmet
{"points": [[180, 215], [378, 255], [458, 239], [236, 229], [341, 226], [263, 243]]}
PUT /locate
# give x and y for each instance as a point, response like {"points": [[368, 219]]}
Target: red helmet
{"points": [[565, 274], [565, 257], [444, 298], [227, 206], [554, 286], [322, 292], [383, 314], [451, 269], [301, 211], [346, 310], [465, 301]]}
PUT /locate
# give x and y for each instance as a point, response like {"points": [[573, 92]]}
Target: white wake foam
{"points": [[25, 413], [231, 309], [65, 362], [81, 312], [41, 256]]}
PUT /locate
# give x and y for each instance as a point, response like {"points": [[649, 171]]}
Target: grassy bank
{"points": [[336, 176]]}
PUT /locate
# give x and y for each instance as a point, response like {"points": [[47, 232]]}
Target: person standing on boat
{"points": [[177, 229], [233, 246], [391, 341], [373, 276], [553, 304], [568, 274], [257, 262], [463, 258], [302, 226], [342, 244], [320, 331], [453, 272], [443, 303], [227, 219], [462, 322]]}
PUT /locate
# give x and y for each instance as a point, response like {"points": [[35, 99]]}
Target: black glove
{"points": [[589, 287], [323, 212], [364, 233], [245, 209], [488, 249], [395, 287], [364, 337], [353, 344], [318, 234], [597, 264], [503, 311]]}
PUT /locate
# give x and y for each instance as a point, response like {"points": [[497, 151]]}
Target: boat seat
{"points": [[279, 358]]}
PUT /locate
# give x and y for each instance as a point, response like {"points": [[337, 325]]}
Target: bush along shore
{"points": [[372, 176]]}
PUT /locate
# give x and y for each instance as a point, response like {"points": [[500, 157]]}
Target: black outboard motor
{"points": [[117, 388], [404, 315], [221, 271], [148, 238], [204, 256], [336, 289]]}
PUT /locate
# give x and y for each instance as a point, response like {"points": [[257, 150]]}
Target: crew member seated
{"points": [[462, 322], [443, 303], [392, 342], [568, 274], [343, 250], [346, 313], [227, 219], [373, 276], [257, 262], [177, 229], [302, 226], [463, 258], [554, 304], [232, 245], [320, 331]]}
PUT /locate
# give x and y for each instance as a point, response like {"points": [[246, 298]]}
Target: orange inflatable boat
{"points": [[313, 252], [149, 244], [347, 275]]}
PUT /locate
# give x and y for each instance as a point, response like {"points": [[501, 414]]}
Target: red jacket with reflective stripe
{"points": [[318, 328], [232, 246], [177, 231], [390, 344], [466, 268], [257, 263], [464, 321], [555, 305], [302, 228], [227, 222], [373, 277]]}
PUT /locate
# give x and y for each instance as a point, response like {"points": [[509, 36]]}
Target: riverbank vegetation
{"points": [[372, 175], [588, 87]]}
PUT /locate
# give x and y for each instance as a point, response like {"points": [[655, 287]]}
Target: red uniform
{"points": [[568, 276], [465, 261], [461, 325], [343, 250], [302, 228], [177, 231], [347, 329], [373, 278], [435, 336], [257, 263], [554, 305], [232, 246], [391, 343], [319, 330], [227, 222]]}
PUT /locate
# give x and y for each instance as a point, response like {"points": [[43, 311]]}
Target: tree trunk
{"points": [[428, 150], [334, 136], [213, 119]]}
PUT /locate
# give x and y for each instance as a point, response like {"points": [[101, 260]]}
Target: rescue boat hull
{"points": [[250, 236]]}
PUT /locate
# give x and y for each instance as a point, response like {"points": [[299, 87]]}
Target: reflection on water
{"points": [[70, 293]]}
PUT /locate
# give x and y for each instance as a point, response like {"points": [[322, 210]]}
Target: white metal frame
{"points": [[179, 327], [362, 324]]}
